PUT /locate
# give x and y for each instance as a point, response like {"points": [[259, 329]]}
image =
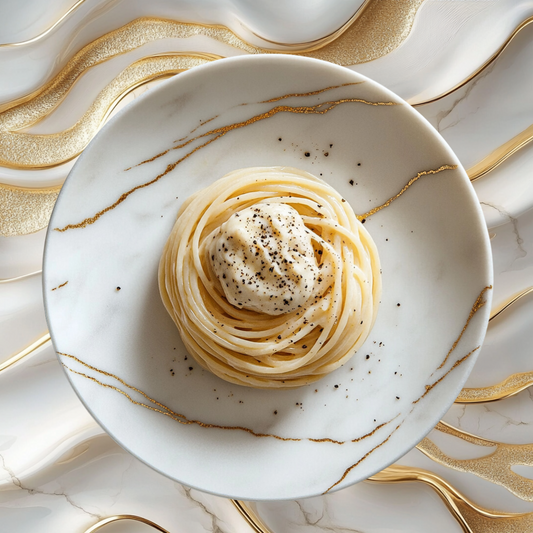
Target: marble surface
{"points": [[60, 471]]}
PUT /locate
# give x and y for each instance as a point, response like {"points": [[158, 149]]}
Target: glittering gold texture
{"points": [[118, 518], [24, 211], [494, 467], [182, 419], [381, 28], [215, 134], [26, 150], [471, 517], [504, 389]]}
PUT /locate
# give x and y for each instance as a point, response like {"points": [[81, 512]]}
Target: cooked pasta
{"points": [[270, 278]]}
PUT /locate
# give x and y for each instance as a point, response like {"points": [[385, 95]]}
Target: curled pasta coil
{"points": [[253, 348]]}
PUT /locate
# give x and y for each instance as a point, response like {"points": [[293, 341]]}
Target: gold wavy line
{"points": [[110, 519], [318, 109], [504, 389], [506, 150], [26, 150], [511, 385], [480, 69], [48, 30], [503, 307], [23, 353], [251, 517], [182, 419], [501, 154], [471, 517], [59, 286], [495, 467], [405, 187], [24, 276], [33, 107]]}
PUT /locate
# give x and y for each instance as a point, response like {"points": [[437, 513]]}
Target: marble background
{"points": [[60, 472]]}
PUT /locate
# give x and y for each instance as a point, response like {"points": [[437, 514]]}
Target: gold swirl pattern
{"points": [[26, 150], [470, 516], [380, 27], [510, 386], [68, 144], [117, 518], [494, 467], [380, 17]]}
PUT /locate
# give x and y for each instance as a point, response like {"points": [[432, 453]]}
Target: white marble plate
{"points": [[369, 145]]}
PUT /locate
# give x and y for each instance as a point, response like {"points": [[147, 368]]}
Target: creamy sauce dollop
{"points": [[264, 259]]}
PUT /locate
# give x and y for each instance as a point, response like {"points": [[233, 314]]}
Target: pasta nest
{"points": [[252, 348]]}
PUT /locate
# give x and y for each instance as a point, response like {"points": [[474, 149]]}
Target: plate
{"points": [[122, 352]]}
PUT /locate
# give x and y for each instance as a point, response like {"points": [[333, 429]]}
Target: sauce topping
{"points": [[264, 259]]}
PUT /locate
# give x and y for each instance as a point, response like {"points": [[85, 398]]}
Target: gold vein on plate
{"points": [[479, 303], [321, 108], [386, 20], [495, 467], [160, 408]]}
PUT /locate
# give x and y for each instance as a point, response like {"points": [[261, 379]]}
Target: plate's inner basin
{"points": [[124, 353]]}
